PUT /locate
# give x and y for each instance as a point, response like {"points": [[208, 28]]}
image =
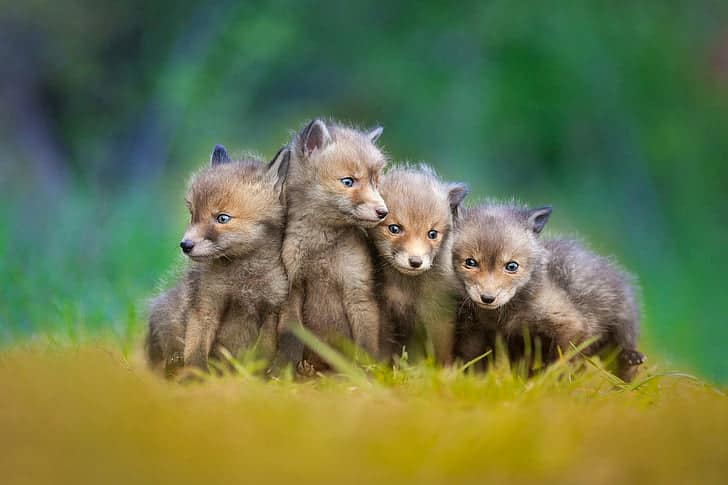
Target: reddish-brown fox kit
{"points": [[557, 289], [231, 294], [332, 195], [415, 280]]}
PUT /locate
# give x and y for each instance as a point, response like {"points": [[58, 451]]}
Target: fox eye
{"points": [[511, 266], [395, 228], [471, 263], [432, 234], [223, 218], [347, 181]]}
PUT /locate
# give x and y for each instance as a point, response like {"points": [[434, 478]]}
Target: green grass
{"points": [[87, 413]]}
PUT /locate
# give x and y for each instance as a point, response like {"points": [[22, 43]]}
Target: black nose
{"points": [[487, 299], [415, 261], [381, 212], [186, 245]]}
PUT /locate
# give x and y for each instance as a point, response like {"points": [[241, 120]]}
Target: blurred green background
{"points": [[614, 112]]}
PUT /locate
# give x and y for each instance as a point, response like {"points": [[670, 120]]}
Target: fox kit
{"points": [[561, 291], [332, 198], [414, 270], [232, 291]]}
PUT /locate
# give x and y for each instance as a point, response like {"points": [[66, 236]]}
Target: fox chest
{"points": [[337, 265], [400, 299], [243, 291]]}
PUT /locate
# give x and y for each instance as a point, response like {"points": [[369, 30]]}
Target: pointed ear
{"points": [[219, 155], [375, 133], [314, 137], [278, 167], [537, 218], [455, 197]]}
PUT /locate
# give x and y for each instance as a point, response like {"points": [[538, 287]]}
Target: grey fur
{"points": [[418, 202], [561, 291], [325, 248], [231, 294]]}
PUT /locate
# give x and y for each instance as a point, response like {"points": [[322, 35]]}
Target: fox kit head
{"points": [[338, 169], [496, 251], [421, 209], [235, 207]]}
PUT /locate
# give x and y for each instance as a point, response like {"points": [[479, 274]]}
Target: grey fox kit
{"points": [[414, 270], [231, 293], [332, 198], [510, 277]]}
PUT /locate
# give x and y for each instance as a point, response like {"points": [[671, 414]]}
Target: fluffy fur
{"points": [[232, 291], [332, 198], [413, 249], [558, 290]]}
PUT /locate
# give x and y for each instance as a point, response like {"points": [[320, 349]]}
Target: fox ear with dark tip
{"points": [[314, 137], [219, 156], [278, 168], [375, 133], [537, 218], [455, 195]]}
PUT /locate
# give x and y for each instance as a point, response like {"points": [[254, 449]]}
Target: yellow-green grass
{"points": [[87, 413]]}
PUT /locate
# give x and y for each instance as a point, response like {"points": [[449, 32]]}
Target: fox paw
{"points": [[174, 363], [176, 359], [305, 368], [633, 357]]}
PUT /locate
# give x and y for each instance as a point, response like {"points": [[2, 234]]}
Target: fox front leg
{"points": [[363, 315], [202, 324]]}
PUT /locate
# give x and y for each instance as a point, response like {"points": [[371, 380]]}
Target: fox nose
{"points": [[186, 245], [381, 212], [415, 261], [487, 299]]}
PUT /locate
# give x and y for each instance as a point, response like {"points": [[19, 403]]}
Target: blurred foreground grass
{"points": [[88, 413]]}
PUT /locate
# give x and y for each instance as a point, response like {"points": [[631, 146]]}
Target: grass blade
{"points": [[474, 361], [331, 356]]}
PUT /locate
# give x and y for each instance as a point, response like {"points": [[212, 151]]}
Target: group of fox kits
{"points": [[322, 236]]}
